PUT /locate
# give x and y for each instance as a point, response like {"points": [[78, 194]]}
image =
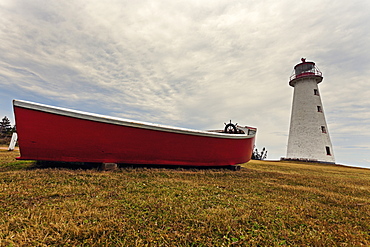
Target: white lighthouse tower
{"points": [[308, 134]]}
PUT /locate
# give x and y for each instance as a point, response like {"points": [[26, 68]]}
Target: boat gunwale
{"points": [[124, 122]]}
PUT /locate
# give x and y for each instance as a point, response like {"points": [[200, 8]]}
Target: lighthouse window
{"points": [[316, 92], [328, 150], [323, 129], [319, 108]]}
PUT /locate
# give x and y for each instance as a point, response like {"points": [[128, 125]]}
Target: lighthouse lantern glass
{"points": [[303, 68]]}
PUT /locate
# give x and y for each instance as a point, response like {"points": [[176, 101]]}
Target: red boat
{"points": [[50, 133]]}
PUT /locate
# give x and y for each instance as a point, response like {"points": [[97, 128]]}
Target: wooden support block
{"points": [[109, 166]]}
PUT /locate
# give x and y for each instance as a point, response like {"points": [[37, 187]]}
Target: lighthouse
{"points": [[309, 138]]}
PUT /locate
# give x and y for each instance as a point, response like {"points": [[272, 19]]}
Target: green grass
{"points": [[263, 204]]}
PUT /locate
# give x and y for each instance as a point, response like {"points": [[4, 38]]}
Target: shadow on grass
{"points": [[174, 167], [98, 166], [65, 165]]}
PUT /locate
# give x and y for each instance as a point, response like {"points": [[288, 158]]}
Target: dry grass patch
{"points": [[266, 203], [8, 161]]}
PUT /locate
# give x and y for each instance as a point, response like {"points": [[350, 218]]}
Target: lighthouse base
{"points": [[306, 160]]}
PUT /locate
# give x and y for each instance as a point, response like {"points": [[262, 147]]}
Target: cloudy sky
{"points": [[194, 64]]}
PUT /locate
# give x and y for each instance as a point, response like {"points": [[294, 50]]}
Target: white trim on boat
{"points": [[121, 121]]}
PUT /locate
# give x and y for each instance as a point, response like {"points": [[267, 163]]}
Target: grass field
{"points": [[263, 204]]}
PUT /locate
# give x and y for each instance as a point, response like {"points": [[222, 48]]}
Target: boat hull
{"points": [[46, 135]]}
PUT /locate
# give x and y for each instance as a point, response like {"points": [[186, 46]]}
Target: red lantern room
{"points": [[304, 70]]}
